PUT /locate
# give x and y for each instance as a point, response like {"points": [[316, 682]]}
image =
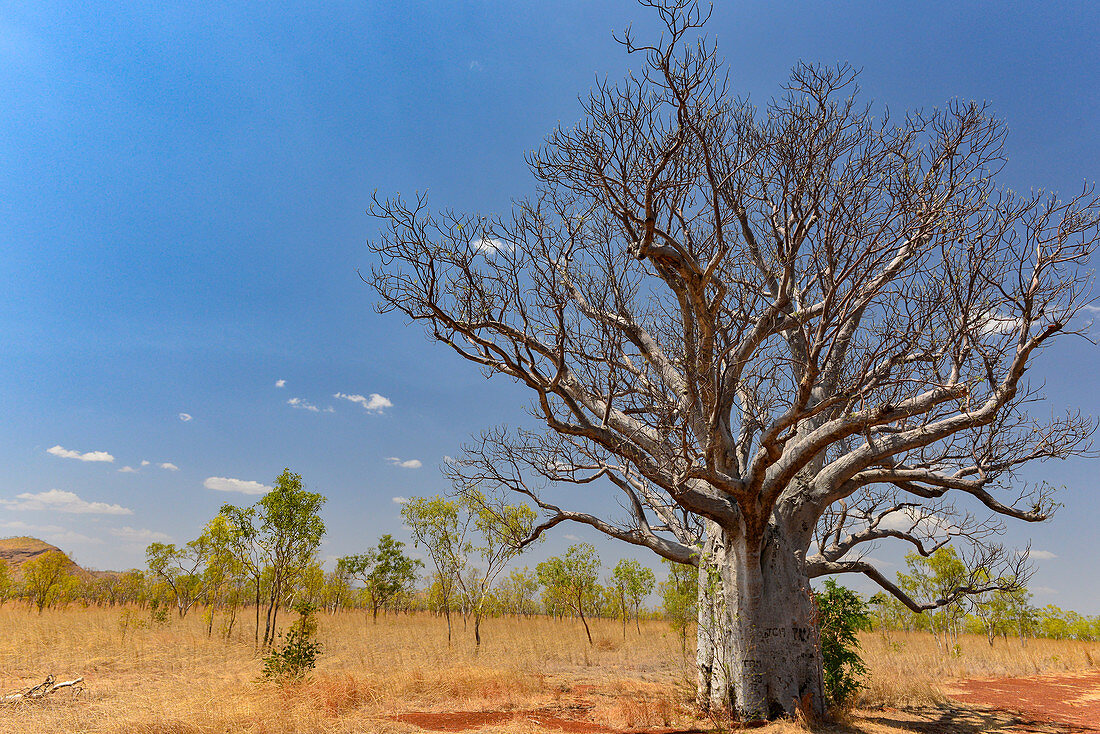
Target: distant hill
{"points": [[17, 551]]}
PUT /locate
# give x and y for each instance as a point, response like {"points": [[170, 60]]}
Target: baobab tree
{"points": [[780, 333]]}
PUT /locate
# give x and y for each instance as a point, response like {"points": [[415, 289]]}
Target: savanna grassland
{"points": [[399, 675]]}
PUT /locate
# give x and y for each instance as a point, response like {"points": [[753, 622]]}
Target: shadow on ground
{"points": [[953, 718]]}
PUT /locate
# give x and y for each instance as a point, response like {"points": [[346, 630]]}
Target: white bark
{"points": [[759, 651]]}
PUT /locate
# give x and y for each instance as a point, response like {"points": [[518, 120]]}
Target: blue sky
{"points": [[182, 196]]}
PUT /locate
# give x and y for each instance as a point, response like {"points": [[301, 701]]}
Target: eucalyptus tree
{"points": [[502, 529], [758, 324], [44, 575], [181, 568], [289, 529], [242, 536], [631, 582], [385, 571], [438, 524], [573, 579]]}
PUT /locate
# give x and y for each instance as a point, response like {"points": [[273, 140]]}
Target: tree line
{"points": [[1001, 612], [264, 557]]}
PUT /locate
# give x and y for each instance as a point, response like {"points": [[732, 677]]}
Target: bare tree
{"points": [[781, 333]]}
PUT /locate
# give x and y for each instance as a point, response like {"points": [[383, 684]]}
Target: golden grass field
{"points": [[174, 679]]}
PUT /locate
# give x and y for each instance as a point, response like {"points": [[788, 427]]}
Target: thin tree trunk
{"points": [[580, 610], [257, 610]]}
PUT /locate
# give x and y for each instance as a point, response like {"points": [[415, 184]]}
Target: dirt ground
{"points": [[1070, 699], [1050, 704]]}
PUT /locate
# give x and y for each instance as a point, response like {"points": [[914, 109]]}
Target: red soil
{"points": [[1065, 699]]}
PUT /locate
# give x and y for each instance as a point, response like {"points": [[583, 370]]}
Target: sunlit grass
{"points": [[173, 678]]}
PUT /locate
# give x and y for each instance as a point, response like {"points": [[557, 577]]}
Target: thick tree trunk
{"points": [[759, 651]]}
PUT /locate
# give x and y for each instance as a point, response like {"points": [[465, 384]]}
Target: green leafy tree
{"points": [[517, 591], [338, 585], [385, 571], [841, 614], [5, 581], [300, 649], [225, 575], [573, 579], [181, 569], [630, 583], [242, 536], [938, 578], [992, 610], [289, 530], [439, 525], [679, 597], [44, 577], [501, 530]]}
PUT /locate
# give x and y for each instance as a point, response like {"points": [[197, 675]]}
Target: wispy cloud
{"points": [[58, 500], [127, 470], [570, 536], [54, 534], [169, 466], [142, 536], [304, 405], [407, 464], [227, 484], [1044, 590], [475, 65], [375, 403], [88, 456], [401, 500], [144, 462], [185, 417], [1040, 555], [280, 383]]}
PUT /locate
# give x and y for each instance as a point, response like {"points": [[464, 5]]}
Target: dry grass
{"points": [[911, 669], [175, 680]]}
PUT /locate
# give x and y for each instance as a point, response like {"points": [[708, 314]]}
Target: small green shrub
{"points": [[841, 614], [300, 649]]}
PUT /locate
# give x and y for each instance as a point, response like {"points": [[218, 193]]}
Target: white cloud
{"points": [[143, 536], [401, 500], [1041, 555], [916, 520], [303, 405], [408, 464], [59, 500], [59, 536], [280, 383], [169, 466], [475, 65], [185, 417], [374, 404], [144, 462], [89, 456], [489, 247], [244, 486], [1043, 590], [570, 536], [1093, 309], [21, 527], [128, 470]]}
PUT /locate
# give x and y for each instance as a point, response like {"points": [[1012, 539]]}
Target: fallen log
{"points": [[44, 689]]}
